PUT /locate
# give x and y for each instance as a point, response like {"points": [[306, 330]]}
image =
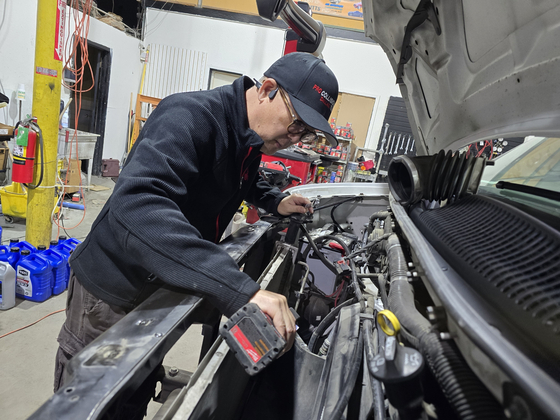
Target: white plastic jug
{"points": [[7, 286]]}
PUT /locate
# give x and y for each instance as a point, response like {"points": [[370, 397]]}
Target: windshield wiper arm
{"points": [[541, 192]]}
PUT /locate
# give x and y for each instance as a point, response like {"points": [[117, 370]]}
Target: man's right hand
{"points": [[276, 307]]}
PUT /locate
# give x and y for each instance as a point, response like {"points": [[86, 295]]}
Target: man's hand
{"points": [[294, 203], [276, 307]]}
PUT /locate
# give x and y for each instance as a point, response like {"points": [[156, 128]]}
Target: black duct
{"points": [[434, 178]]}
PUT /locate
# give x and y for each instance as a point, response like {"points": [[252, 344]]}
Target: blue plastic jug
{"points": [[73, 242], [14, 256], [4, 250], [11, 256], [33, 281], [65, 251], [58, 268], [25, 245]]}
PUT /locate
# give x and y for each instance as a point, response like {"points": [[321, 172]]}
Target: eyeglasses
{"points": [[297, 126], [308, 135]]}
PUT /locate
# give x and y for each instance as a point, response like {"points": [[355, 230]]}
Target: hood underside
{"points": [[474, 69]]}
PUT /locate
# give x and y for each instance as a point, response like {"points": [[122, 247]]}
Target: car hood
{"points": [[475, 69]]}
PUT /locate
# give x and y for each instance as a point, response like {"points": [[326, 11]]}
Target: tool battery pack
{"points": [[252, 337]]}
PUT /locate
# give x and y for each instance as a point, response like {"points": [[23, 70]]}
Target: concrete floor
{"points": [[27, 356]]}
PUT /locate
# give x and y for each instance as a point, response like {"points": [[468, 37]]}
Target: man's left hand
{"points": [[294, 203]]}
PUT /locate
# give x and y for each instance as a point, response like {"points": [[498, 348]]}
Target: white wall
{"points": [[361, 68], [126, 72], [17, 56]]}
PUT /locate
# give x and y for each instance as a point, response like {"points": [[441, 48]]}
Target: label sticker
{"points": [[59, 36], [18, 151], [23, 283], [46, 72], [22, 136]]}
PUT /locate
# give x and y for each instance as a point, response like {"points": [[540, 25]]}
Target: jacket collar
{"points": [[236, 108]]}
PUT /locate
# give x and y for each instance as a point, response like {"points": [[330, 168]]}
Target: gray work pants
{"points": [[87, 317]]}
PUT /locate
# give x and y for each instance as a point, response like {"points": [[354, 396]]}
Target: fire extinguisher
{"points": [[26, 134]]}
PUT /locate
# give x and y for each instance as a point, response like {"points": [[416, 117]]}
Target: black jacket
{"points": [[193, 164]]}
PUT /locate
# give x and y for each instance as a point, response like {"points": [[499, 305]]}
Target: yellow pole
{"points": [[46, 107]]}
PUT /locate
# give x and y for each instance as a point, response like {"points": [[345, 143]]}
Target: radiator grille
{"points": [[511, 259]]}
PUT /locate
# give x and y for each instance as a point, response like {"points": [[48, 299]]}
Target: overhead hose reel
{"points": [[434, 178]]}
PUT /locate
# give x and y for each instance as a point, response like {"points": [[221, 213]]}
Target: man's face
{"points": [[274, 131]]}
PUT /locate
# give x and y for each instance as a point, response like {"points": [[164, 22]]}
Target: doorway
{"points": [[93, 111]]}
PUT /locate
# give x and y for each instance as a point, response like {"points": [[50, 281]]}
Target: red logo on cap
{"points": [[325, 97]]}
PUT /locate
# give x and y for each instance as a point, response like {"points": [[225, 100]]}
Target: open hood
{"points": [[472, 70]]}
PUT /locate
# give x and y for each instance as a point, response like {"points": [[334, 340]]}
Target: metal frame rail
{"points": [[114, 365]]}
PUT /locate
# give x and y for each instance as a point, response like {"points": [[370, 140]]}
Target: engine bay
{"points": [[405, 312]]}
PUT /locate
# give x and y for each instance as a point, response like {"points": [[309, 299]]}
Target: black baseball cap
{"points": [[312, 87]]}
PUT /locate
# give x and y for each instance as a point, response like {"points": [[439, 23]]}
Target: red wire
{"points": [[80, 41], [33, 323], [337, 290], [339, 293]]}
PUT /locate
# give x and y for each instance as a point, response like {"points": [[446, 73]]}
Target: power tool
{"points": [[252, 337]]}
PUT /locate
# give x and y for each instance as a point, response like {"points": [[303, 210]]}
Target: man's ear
{"points": [[267, 87]]}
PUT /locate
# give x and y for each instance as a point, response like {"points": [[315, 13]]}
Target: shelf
{"points": [[337, 137], [344, 139]]}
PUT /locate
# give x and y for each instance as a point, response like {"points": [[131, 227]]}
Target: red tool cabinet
{"points": [[302, 166]]}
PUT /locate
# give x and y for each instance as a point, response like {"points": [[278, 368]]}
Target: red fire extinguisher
{"points": [[24, 152]]}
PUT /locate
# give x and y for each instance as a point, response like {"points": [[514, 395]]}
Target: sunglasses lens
{"points": [[296, 127], [309, 137]]}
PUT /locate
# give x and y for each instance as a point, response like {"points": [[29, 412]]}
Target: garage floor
{"points": [[27, 356]]}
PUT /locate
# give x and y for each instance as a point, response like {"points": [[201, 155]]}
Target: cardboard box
{"points": [[6, 132], [4, 153], [73, 176]]}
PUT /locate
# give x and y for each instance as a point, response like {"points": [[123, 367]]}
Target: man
{"points": [[195, 161]]}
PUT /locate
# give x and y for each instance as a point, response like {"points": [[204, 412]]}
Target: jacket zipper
{"points": [[243, 169], [217, 229]]}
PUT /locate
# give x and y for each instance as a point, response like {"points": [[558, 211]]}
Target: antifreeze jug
{"points": [[34, 276]]}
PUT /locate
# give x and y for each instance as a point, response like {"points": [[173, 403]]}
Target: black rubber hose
{"points": [[355, 365], [369, 354], [325, 323], [383, 289], [368, 245], [327, 263], [467, 395], [336, 225]]}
